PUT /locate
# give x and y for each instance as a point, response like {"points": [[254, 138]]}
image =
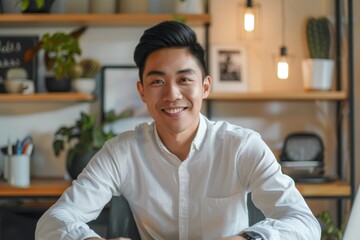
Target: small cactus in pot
{"points": [[318, 34], [318, 70], [83, 75]]}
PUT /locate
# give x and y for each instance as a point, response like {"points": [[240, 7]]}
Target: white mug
{"points": [[18, 85]]}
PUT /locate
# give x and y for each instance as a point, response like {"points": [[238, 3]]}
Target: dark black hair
{"points": [[168, 34]]}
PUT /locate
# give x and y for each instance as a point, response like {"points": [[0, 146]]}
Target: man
{"points": [[185, 177]]}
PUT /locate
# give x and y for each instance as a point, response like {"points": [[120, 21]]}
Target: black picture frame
{"points": [[119, 92], [12, 49]]}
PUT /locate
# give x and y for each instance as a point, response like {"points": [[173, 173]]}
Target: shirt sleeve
{"points": [[82, 202], [275, 194]]}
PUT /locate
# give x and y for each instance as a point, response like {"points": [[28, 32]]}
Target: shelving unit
{"points": [[345, 188], [339, 189]]}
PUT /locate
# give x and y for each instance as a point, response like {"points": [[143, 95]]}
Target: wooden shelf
{"points": [[130, 20], [280, 96], [38, 188], [47, 97], [331, 189]]}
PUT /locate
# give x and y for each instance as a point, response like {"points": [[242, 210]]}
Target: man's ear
{"points": [[140, 89], [206, 86]]}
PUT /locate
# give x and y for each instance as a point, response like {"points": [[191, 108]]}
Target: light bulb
{"points": [[283, 65], [249, 20], [282, 69]]}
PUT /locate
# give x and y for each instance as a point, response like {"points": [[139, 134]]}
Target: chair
{"points": [[121, 220], [122, 223]]}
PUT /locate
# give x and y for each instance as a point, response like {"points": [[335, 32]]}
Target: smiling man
{"points": [[184, 176]]}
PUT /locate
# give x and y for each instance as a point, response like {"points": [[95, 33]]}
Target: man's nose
{"points": [[172, 92]]}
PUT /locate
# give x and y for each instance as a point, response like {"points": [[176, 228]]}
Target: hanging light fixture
{"points": [[250, 20], [283, 64], [283, 60], [249, 17]]}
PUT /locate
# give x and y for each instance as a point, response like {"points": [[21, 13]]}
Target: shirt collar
{"points": [[199, 137]]}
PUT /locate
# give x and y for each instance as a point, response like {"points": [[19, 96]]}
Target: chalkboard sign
{"points": [[12, 49]]}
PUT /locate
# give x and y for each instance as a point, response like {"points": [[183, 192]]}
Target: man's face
{"points": [[173, 90]]}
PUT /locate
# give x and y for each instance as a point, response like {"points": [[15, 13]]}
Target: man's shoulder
{"points": [[139, 133], [226, 129]]}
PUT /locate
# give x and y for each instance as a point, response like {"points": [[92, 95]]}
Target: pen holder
{"points": [[19, 170]]}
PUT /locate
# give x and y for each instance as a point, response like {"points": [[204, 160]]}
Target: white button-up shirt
{"points": [[202, 197]]}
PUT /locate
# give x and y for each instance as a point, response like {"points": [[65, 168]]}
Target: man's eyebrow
{"points": [[155, 72], [187, 70]]}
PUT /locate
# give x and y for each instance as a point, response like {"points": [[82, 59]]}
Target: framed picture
{"points": [[12, 49], [118, 94], [228, 68]]}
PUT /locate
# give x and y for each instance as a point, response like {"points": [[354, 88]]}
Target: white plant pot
{"points": [[76, 6], [190, 7], [84, 85], [102, 6], [318, 74], [133, 6], [161, 6], [11, 6]]}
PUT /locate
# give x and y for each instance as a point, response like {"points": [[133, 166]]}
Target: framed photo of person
{"points": [[228, 68]]}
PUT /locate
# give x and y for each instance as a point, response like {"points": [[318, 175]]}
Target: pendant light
{"points": [[283, 59], [249, 17], [249, 20]]}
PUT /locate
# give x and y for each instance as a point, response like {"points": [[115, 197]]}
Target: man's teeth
{"points": [[173, 110]]}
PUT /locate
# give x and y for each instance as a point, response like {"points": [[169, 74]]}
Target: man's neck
{"points": [[178, 144]]}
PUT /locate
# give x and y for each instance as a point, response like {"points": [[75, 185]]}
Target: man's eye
{"points": [[158, 82], [185, 79]]}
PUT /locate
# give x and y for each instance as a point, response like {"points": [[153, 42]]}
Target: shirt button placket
{"points": [[183, 202]]}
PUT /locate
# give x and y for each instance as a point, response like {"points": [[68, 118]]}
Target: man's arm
{"points": [[81, 203], [275, 194]]}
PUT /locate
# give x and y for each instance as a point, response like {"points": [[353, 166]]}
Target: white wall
{"points": [[274, 120]]}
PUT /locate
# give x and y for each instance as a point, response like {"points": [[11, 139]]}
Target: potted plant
{"points": [[83, 75], [329, 229], [36, 6], [318, 69], [60, 50], [83, 140]]}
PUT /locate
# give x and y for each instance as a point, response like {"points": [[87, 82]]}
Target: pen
{"points": [[28, 149], [27, 139], [18, 148], [9, 148]]}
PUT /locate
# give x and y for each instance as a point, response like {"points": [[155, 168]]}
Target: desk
{"points": [[41, 188], [53, 188]]}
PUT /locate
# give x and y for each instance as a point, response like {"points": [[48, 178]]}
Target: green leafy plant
{"points": [[82, 137], [60, 51], [85, 135], [318, 34], [25, 4], [331, 231]]}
